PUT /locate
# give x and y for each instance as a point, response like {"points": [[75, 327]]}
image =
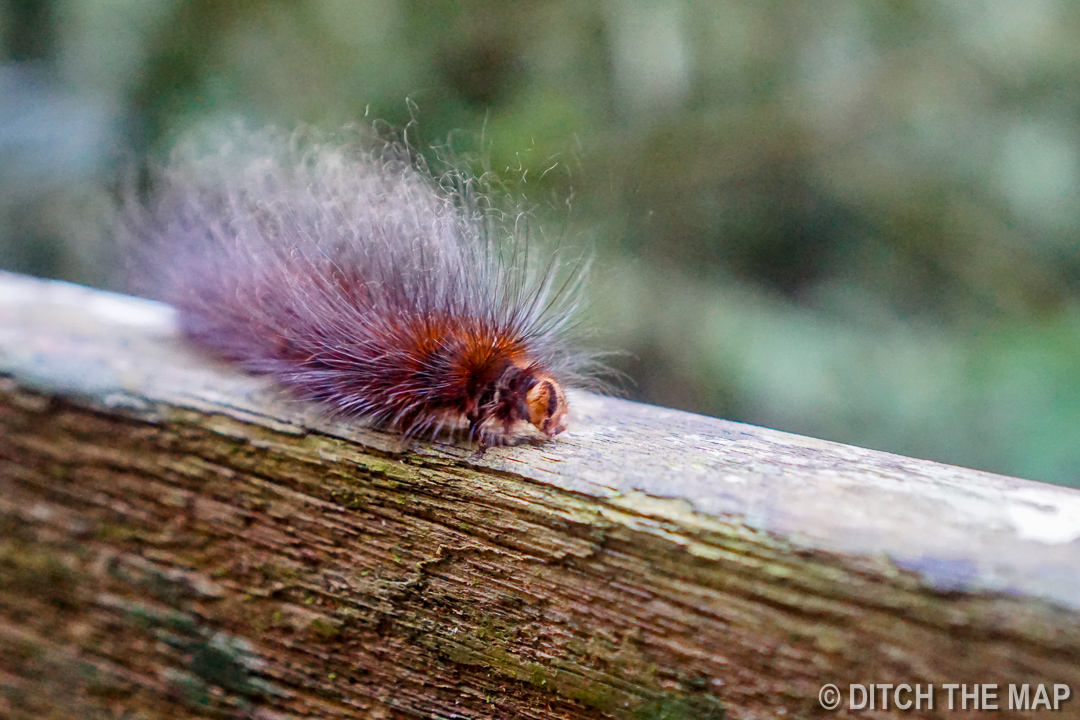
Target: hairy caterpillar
{"points": [[357, 279]]}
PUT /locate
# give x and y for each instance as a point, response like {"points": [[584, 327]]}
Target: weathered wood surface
{"points": [[177, 539]]}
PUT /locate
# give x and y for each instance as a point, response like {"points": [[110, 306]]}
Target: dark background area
{"points": [[857, 220]]}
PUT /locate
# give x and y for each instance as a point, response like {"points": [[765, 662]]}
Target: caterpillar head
{"points": [[524, 392], [547, 406]]}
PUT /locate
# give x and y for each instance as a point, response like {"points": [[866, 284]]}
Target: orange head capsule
{"points": [[547, 406], [522, 393]]}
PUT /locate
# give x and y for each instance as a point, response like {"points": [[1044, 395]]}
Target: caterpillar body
{"points": [[359, 280]]}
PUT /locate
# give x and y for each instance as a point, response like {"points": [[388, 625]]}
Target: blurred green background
{"points": [[857, 220]]}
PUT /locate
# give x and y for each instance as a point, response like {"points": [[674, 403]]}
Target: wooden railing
{"points": [[178, 538]]}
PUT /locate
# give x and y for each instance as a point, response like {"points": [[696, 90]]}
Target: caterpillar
{"points": [[354, 276]]}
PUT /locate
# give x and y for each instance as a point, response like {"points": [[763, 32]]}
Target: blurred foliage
{"points": [[855, 219]]}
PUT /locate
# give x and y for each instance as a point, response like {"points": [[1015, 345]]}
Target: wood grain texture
{"points": [[178, 539]]}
